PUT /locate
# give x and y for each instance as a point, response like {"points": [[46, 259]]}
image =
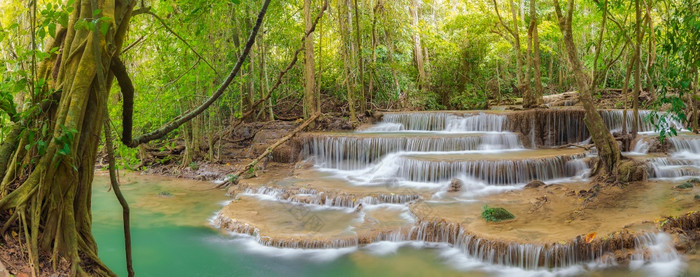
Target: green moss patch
{"points": [[495, 214]]}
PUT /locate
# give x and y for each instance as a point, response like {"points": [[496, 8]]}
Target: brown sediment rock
{"points": [[305, 195], [654, 144], [550, 127], [455, 185], [534, 184]]}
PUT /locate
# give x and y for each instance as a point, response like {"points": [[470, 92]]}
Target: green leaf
{"points": [[96, 12], [104, 27], [52, 29]]}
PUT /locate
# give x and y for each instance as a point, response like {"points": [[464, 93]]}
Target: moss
{"points": [[495, 214], [694, 181], [696, 197], [686, 185]]}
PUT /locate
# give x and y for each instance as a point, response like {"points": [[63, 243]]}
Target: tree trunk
{"points": [[346, 52], [518, 54], [50, 188], [637, 69], [651, 58], [417, 48], [625, 93], [527, 89], [360, 60], [538, 90], [309, 69], [394, 76], [608, 150], [320, 66], [372, 74]]}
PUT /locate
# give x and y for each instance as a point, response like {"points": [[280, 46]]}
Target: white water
{"points": [[428, 151], [682, 163]]}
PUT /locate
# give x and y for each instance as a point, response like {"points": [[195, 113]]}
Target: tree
{"points": [[516, 41], [535, 94], [637, 68], [417, 48], [48, 170], [608, 150], [309, 69]]}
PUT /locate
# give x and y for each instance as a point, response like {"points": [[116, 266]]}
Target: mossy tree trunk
{"points": [[49, 175]]}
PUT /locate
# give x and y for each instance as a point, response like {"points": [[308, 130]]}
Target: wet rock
{"points": [[455, 185], [534, 184], [358, 208], [304, 164], [681, 242]]}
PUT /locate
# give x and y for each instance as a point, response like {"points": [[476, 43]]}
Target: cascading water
{"points": [[683, 162], [409, 148], [371, 176]]}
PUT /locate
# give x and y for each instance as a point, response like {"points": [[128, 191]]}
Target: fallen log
{"points": [[235, 177]]}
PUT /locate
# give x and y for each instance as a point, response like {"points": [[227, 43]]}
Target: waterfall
{"points": [[686, 144], [357, 152], [614, 120], [328, 199], [437, 121], [684, 160], [493, 172]]}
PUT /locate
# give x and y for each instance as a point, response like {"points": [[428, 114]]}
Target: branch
{"points": [[501, 20], [291, 64], [120, 197], [599, 44], [162, 131], [149, 12], [236, 176]]}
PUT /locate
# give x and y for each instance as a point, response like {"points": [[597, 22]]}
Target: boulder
{"points": [[534, 184], [455, 185]]}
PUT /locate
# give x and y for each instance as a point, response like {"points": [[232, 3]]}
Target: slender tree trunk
{"points": [[538, 90], [417, 48], [527, 89], [651, 58], [394, 75], [261, 74], [516, 38], [374, 51], [694, 94], [360, 60], [625, 93], [608, 150], [637, 69], [309, 68], [320, 65], [346, 52]]}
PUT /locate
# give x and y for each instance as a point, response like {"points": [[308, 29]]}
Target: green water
{"points": [[172, 237]]}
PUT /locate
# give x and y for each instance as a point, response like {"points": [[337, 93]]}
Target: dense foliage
{"points": [[178, 51]]}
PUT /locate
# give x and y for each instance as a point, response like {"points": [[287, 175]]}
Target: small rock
{"points": [[455, 185], [534, 184]]}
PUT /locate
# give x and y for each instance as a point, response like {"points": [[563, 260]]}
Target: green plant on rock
{"points": [[495, 214]]}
